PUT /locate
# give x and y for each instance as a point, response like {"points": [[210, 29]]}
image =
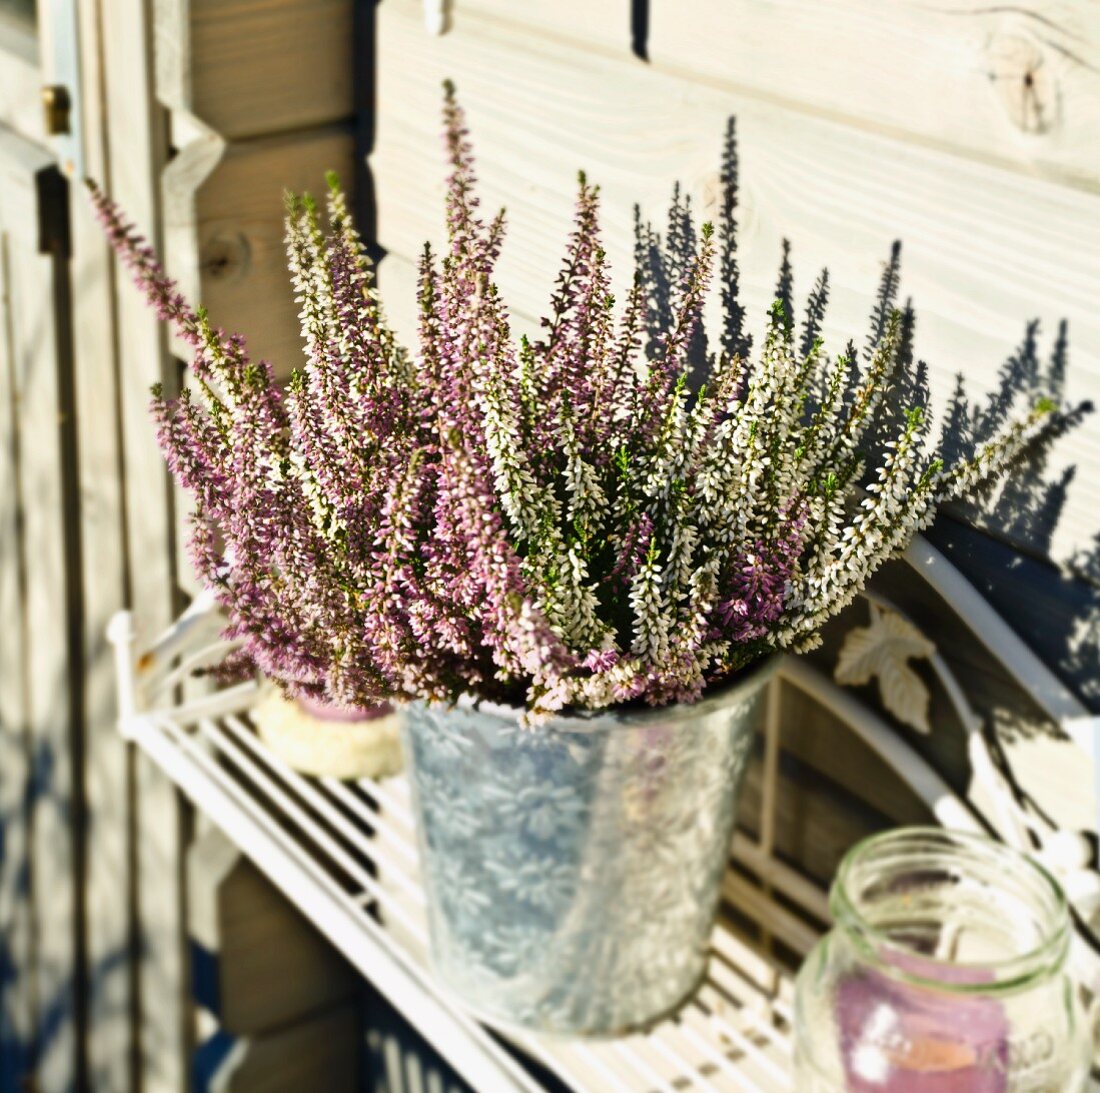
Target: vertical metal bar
{"points": [[770, 793]]}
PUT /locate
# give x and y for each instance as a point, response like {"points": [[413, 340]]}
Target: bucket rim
{"points": [[757, 676]]}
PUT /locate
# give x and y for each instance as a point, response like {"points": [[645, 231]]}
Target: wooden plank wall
{"points": [[970, 134], [37, 876], [261, 99], [79, 363], [43, 657], [257, 98], [111, 925], [136, 149], [94, 984]]}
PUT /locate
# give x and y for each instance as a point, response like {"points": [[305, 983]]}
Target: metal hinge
{"points": [[58, 106], [54, 229]]}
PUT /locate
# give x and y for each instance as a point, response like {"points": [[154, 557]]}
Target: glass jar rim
{"points": [[1047, 956]]}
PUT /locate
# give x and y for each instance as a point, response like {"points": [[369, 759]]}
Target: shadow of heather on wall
{"points": [[1080, 654], [1028, 507], [1056, 612]]}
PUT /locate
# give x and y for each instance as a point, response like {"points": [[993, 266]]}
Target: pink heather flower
{"points": [[607, 514], [601, 660]]}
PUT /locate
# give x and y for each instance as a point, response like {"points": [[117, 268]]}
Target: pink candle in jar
{"points": [[906, 1037]]}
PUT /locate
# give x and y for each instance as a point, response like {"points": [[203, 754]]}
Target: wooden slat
{"points": [[34, 365], [135, 137], [397, 278], [248, 67], [984, 248], [397, 284], [1019, 84], [20, 81], [606, 26], [100, 833], [17, 1016], [108, 766], [224, 222], [817, 821]]}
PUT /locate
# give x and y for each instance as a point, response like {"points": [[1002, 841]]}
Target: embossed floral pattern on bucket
{"points": [[573, 871]]}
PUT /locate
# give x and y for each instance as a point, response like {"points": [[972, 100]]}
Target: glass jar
{"points": [[945, 972]]}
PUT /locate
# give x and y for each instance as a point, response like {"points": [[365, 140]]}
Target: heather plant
{"points": [[609, 513]]}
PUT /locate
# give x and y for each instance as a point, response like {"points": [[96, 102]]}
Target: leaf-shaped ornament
{"points": [[882, 651]]}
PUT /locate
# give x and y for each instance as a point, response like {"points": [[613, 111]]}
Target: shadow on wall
{"points": [[1058, 613], [36, 991], [16, 1039]]}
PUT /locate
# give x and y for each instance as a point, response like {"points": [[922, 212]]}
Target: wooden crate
{"points": [[257, 963]]}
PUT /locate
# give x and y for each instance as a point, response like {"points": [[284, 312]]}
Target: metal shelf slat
{"points": [[300, 832]]}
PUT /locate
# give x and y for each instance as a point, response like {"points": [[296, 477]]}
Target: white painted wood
{"points": [[1018, 84], [34, 366], [108, 759], [1001, 640], [605, 26], [104, 829], [437, 16], [17, 1015], [397, 285], [397, 281], [20, 113], [984, 248], [20, 82], [135, 132], [877, 734]]}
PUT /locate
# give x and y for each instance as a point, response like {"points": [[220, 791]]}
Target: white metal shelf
{"points": [[346, 855]]}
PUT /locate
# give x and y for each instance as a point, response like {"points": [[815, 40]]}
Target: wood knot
{"points": [[711, 196], [226, 257], [1023, 79]]}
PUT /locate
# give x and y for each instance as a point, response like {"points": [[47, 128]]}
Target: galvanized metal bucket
{"points": [[573, 870]]}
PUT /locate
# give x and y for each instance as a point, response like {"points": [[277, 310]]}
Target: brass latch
{"points": [[58, 106]]}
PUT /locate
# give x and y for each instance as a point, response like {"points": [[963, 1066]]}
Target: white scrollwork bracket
{"points": [[882, 651]]}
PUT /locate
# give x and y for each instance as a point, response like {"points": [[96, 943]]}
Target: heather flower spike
{"points": [[603, 515]]}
